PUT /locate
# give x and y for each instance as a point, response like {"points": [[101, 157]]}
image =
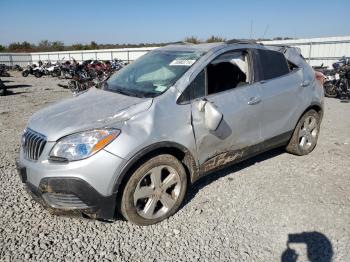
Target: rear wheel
{"points": [[154, 191], [56, 73], [38, 74], [305, 134], [2, 89], [330, 90]]}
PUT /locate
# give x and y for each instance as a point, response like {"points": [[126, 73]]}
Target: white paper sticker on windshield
{"points": [[160, 88], [179, 62]]}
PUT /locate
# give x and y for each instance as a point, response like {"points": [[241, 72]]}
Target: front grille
{"points": [[66, 201], [33, 144]]}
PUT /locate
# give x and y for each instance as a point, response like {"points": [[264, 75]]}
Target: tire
{"points": [[2, 89], [73, 86], [25, 73], [305, 134], [56, 73], [154, 191], [38, 74], [330, 90]]}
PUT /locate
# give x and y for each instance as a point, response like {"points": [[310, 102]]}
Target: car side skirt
{"points": [[231, 157]]}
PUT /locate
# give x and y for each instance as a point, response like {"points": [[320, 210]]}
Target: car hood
{"points": [[93, 109]]}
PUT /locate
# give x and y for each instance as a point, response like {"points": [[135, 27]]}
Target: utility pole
{"points": [[251, 29]]}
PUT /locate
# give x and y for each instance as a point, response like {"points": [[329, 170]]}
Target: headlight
{"points": [[82, 145]]}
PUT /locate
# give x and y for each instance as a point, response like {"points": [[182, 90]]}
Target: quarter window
{"points": [[273, 64]]}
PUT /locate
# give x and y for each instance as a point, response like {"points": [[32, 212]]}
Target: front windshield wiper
{"points": [[128, 92], [119, 90], [124, 92]]}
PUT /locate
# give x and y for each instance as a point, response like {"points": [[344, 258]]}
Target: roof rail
{"points": [[179, 43], [241, 41]]}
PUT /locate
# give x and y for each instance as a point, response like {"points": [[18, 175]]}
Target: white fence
{"points": [[316, 50], [319, 51]]}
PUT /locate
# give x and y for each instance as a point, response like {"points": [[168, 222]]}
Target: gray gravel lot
{"points": [[246, 212]]}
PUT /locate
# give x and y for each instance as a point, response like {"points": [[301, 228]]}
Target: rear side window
{"points": [[273, 64]]}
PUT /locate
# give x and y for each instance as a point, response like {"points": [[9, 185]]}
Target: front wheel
{"points": [[154, 191], [305, 135], [25, 73], [73, 86]]}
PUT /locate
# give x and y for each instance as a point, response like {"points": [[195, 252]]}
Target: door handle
{"points": [[305, 83], [254, 100]]}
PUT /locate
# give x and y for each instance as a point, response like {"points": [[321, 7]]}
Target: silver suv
{"points": [[135, 145]]}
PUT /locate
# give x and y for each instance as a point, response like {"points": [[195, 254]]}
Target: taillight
{"points": [[320, 77]]}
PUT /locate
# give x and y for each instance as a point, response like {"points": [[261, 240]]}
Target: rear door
{"points": [[281, 93]]}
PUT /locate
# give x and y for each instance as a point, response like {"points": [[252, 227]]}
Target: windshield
{"points": [[152, 74]]}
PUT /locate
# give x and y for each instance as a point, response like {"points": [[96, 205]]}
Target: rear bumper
{"points": [[63, 195]]}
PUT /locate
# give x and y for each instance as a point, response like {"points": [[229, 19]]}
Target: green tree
{"points": [[2, 48], [44, 45], [214, 39], [78, 47], [21, 47], [57, 46], [93, 45], [192, 40]]}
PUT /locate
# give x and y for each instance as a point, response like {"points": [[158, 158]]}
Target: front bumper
{"points": [[70, 196], [80, 187]]}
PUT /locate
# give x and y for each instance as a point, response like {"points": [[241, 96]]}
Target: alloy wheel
{"points": [[308, 133], [157, 191]]}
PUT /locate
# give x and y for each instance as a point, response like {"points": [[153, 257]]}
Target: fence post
{"points": [[58, 56], [128, 54], [82, 56], [95, 55], [310, 49], [11, 60], [39, 57], [111, 55]]}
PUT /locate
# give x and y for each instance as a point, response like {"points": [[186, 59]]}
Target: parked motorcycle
{"points": [[337, 82], [3, 71], [80, 81]]}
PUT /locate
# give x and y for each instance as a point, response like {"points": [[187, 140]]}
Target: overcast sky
{"points": [[131, 21]]}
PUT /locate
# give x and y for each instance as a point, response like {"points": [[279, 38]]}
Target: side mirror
{"points": [[212, 116]]}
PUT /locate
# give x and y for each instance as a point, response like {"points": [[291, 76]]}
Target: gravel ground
{"points": [[246, 212]]}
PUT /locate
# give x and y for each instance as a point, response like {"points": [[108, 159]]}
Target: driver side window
{"points": [[227, 71]]}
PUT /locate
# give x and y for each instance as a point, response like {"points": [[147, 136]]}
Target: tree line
{"points": [[48, 46]]}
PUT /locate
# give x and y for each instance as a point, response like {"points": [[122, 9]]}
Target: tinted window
{"points": [[198, 85], [273, 64]]}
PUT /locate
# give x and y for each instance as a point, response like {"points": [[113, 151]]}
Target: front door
{"points": [[237, 100]]}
